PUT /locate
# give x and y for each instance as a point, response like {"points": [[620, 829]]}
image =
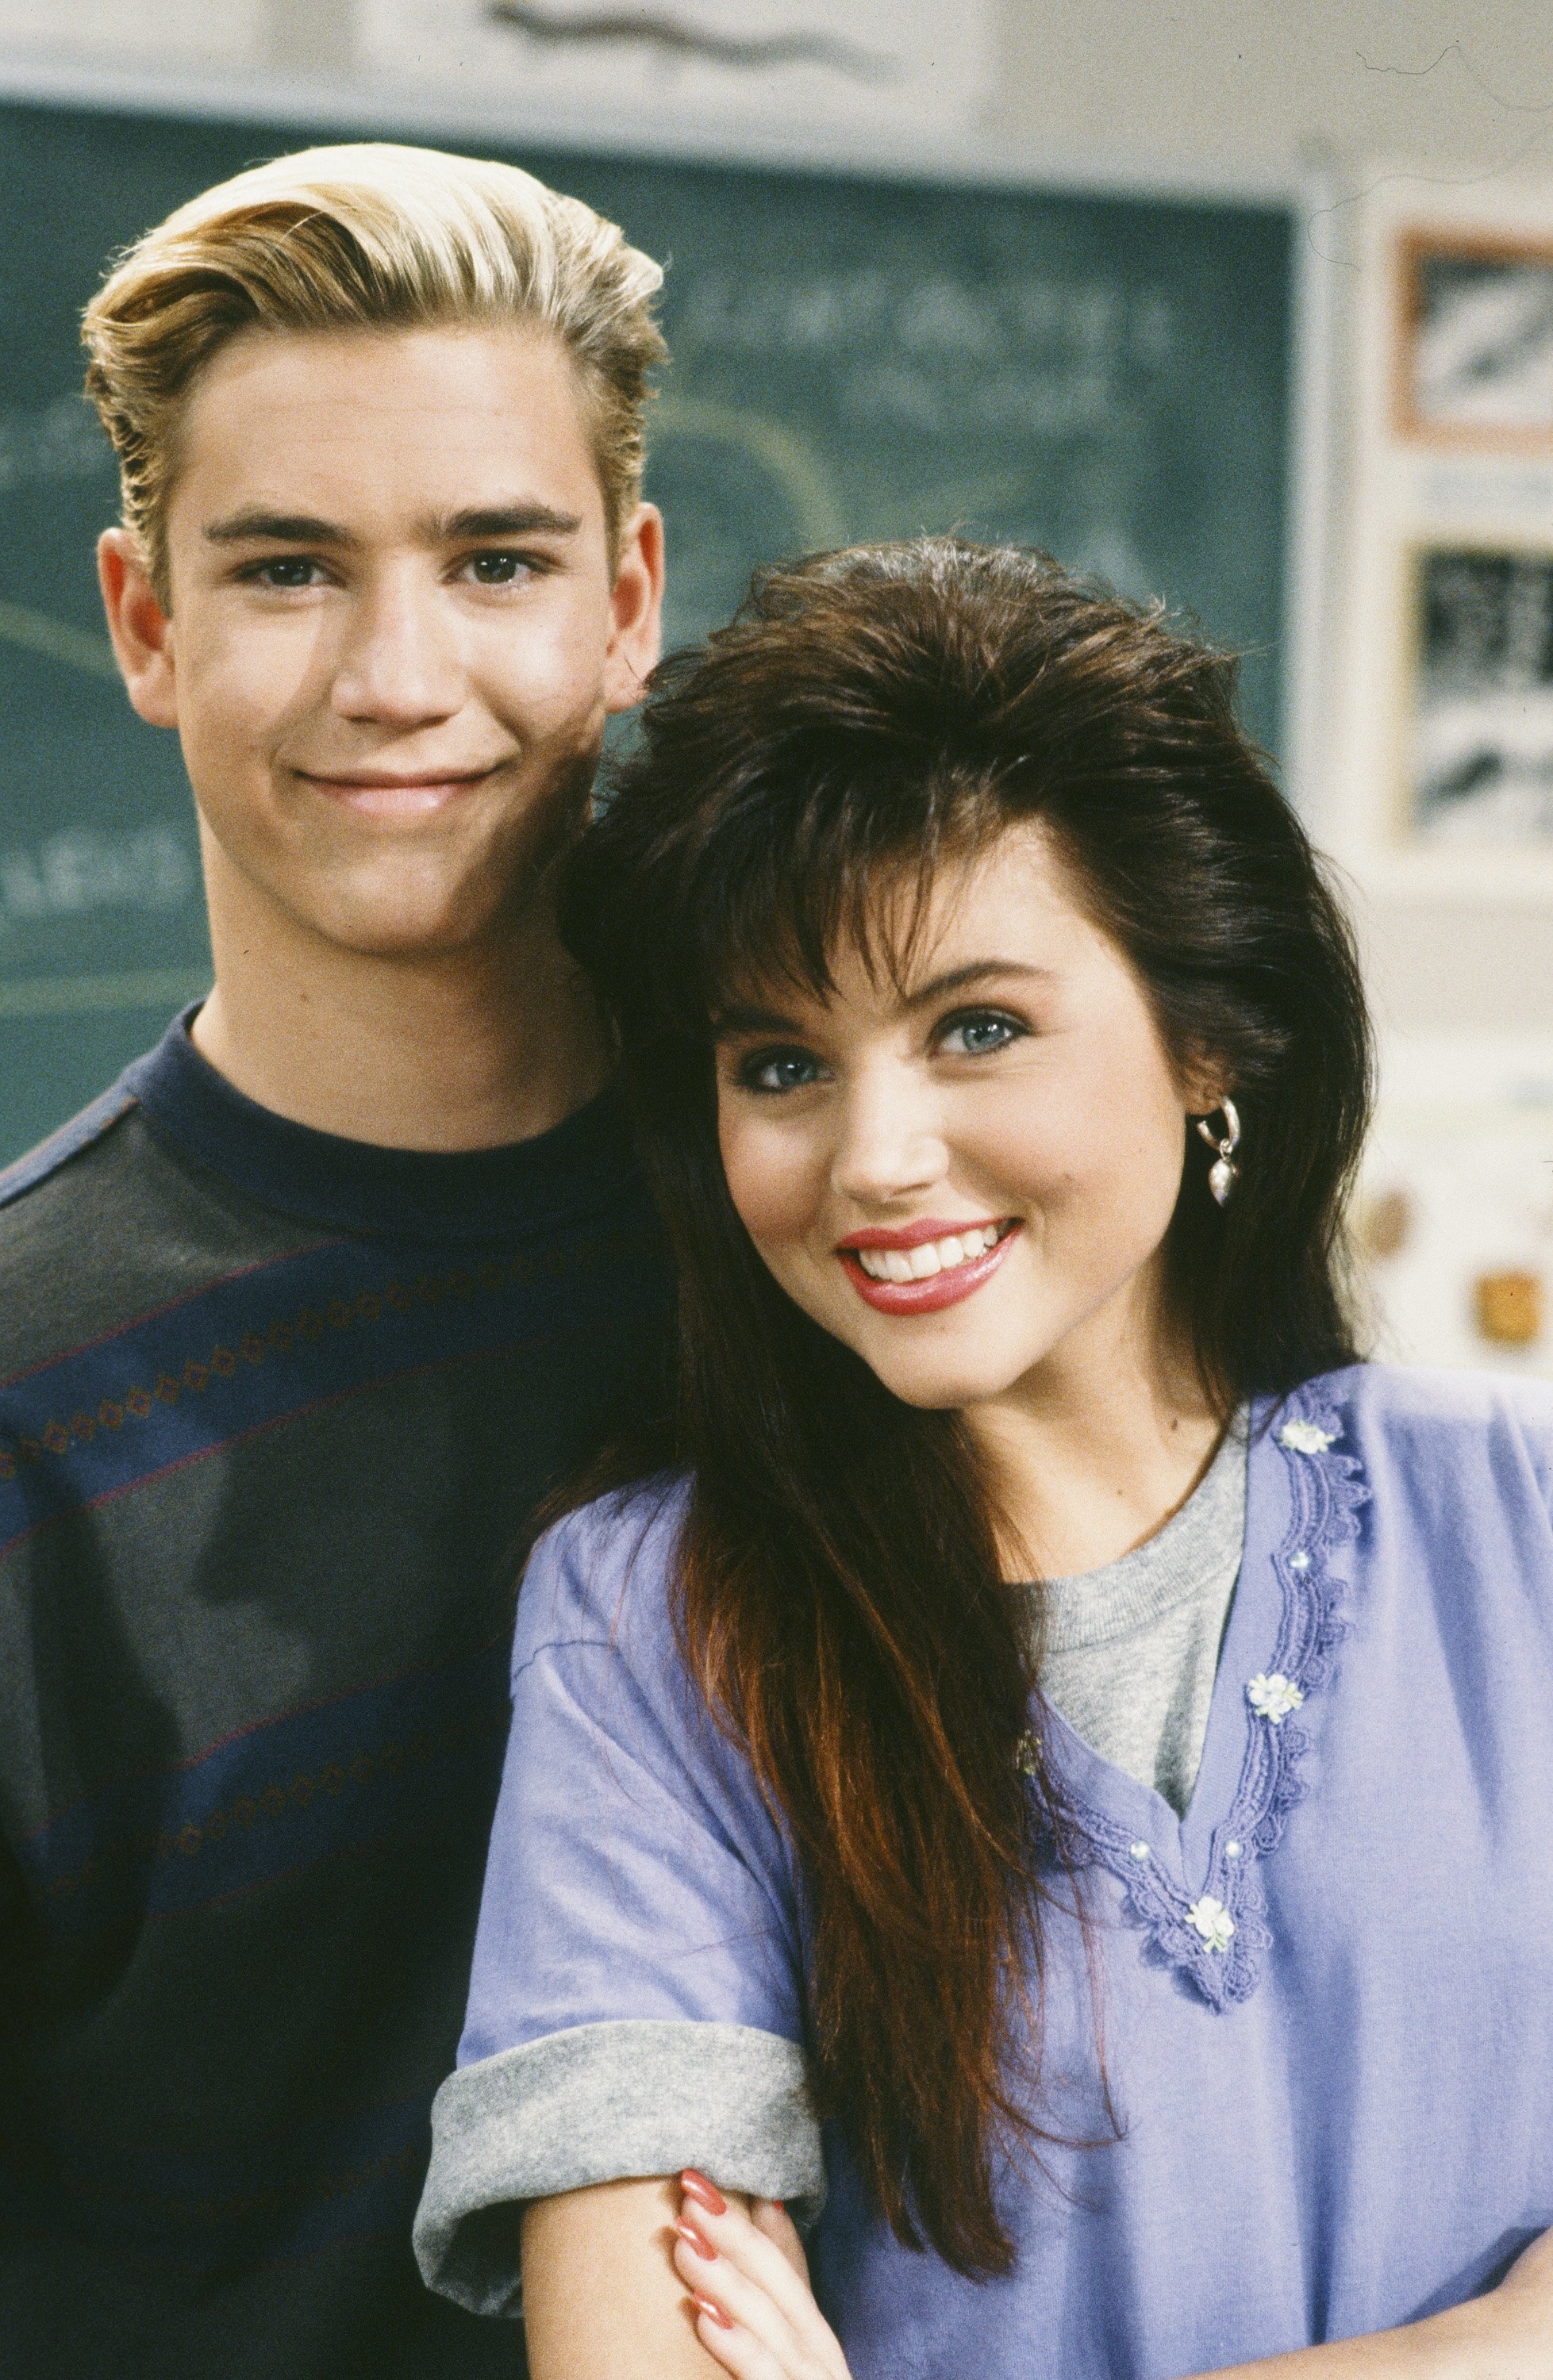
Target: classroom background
{"points": [[1249, 309]]}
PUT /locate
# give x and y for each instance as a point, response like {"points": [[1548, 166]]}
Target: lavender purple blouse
{"points": [[1326, 1996]]}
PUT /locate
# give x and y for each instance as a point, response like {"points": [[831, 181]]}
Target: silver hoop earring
{"points": [[1223, 1174]]}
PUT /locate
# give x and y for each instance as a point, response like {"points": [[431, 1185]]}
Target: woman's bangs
{"points": [[855, 877]]}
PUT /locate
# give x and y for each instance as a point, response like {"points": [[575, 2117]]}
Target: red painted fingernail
{"points": [[697, 2240], [705, 2193], [713, 2312]]}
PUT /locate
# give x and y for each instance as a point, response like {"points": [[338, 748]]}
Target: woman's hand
{"points": [[749, 2277]]}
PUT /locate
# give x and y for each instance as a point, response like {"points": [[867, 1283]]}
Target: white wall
{"points": [[1249, 84], [135, 35]]}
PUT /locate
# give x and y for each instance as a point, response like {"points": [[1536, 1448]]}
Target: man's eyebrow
{"points": [[499, 521], [477, 521], [284, 529]]}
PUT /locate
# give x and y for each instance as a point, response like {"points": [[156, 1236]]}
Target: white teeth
{"points": [[931, 1256]]}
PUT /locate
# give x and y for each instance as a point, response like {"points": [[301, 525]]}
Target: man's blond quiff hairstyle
{"points": [[368, 235]]}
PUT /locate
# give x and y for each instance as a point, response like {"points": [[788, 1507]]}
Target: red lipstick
{"points": [[948, 1286]]}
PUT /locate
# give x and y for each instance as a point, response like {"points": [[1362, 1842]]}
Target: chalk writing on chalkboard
{"points": [[143, 867]]}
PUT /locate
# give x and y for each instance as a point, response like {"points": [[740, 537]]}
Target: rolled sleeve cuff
{"points": [[606, 2103]]}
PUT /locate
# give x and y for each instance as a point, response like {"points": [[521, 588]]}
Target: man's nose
{"points": [[891, 1140], [397, 662]]}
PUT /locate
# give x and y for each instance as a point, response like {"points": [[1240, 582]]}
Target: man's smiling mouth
{"points": [[377, 793]]}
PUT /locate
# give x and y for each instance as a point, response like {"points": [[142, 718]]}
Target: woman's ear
{"points": [[1205, 1080]]}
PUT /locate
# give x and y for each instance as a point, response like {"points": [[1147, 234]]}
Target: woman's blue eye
{"points": [[973, 1037], [779, 1070]]}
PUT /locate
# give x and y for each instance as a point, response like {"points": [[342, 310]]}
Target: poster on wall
{"points": [[1447, 767], [780, 64]]}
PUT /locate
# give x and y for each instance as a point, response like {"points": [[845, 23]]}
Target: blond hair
{"points": [[368, 235]]}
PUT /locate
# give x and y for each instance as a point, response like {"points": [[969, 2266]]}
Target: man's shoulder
{"points": [[73, 1140], [73, 1207], [106, 1221]]}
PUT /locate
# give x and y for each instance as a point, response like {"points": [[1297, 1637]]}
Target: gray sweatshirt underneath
{"points": [[1130, 1650]]}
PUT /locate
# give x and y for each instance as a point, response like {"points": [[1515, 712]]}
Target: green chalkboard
{"points": [[853, 359]]}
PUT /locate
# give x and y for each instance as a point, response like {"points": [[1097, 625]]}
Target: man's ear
{"points": [[138, 626], [636, 609]]}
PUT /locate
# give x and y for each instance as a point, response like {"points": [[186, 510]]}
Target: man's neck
{"points": [[470, 1049]]}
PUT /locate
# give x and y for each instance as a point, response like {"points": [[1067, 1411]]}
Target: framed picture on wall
{"points": [[1443, 786], [1478, 756], [1474, 361]]}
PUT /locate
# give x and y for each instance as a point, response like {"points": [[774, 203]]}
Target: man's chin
{"points": [[421, 924]]}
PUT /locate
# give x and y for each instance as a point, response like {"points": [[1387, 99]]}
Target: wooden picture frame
{"points": [[1472, 367]]}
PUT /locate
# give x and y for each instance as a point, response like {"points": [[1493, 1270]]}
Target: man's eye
{"points": [[498, 569], [779, 1070], [976, 1037], [285, 570]]}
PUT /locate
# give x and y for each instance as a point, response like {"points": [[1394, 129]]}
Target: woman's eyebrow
{"points": [[741, 1018], [975, 971]]}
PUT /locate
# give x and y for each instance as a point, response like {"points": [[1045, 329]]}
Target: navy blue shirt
{"points": [[275, 1410]]}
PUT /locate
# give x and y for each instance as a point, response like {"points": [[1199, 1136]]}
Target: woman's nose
{"points": [[891, 1140]]}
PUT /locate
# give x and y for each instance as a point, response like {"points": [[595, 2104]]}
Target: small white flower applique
{"points": [[1306, 1436], [1274, 1697], [1212, 1921]]}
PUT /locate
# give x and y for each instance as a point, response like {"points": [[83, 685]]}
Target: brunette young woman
{"points": [[1053, 1775]]}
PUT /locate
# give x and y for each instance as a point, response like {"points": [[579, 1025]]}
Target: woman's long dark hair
{"points": [[841, 1600]]}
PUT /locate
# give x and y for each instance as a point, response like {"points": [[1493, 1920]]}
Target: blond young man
{"points": [[306, 1313]]}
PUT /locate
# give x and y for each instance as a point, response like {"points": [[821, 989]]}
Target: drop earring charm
{"points": [[1223, 1174]]}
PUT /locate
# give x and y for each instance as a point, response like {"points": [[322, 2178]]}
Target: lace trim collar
{"points": [[1215, 1937]]}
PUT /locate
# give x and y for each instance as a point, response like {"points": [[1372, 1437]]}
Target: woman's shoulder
{"points": [[1430, 1424], [603, 1571], [1421, 1397]]}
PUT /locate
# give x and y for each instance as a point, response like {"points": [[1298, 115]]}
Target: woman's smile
{"points": [[924, 1266], [1001, 1114]]}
